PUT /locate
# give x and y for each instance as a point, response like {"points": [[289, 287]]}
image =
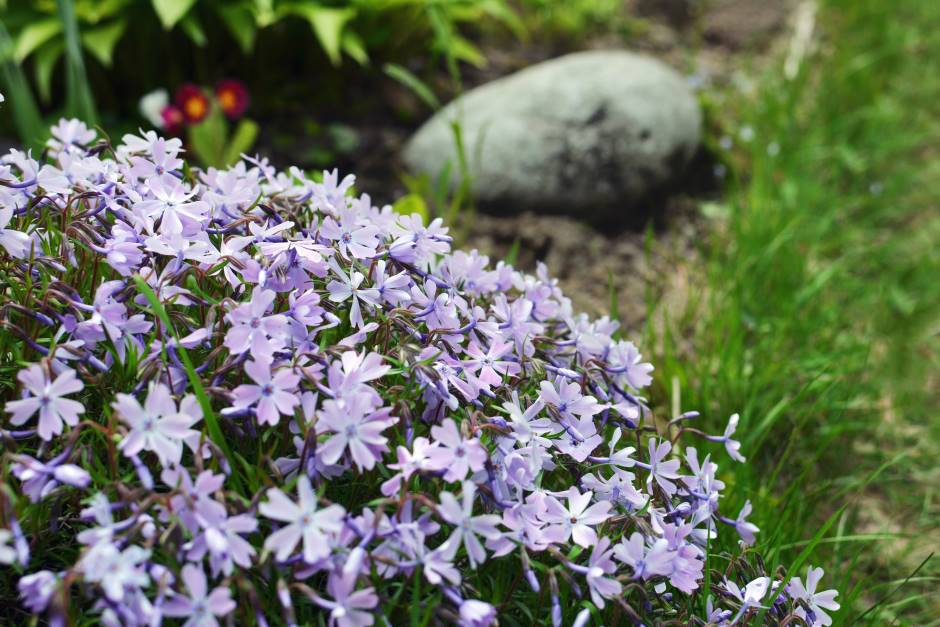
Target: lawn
{"points": [[813, 308]]}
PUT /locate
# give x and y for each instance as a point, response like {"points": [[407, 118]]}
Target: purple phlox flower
{"points": [[409, 462], [357, 240], [259, 234], [221, 537], [525, 527], [159, 426], [194, 496], [449, 373], [8, 554], [173, 207], [579, 440], [357, 337], [715, 615], [516, 322], [702, 481], [624, 457], [577, 520], [348, 607], [231, 191], [687, 559], [201, 608], [70, 136], [437, 310], [305, 309], [16, 243], [525, 425], [272, 394], [117, 572], [600, 566], [36, 589], [646, 561], [625, 359], [751, 595], [252, 328], [348, 286], [490, 367], [145, 143], [40, 479], [437, 563], [565, 396], [163, 287], [393, 289], [474, 613], [661, 470], [47, 396], [108, 317], [470, 271], [732, 446], [354, 425], [161, 158], [744, 528], [354, 370], [630, 411], [520, 468], [816, 601], [306, 250], [305, 522], [453, 453], [181, 248], [414, 243], [467, 526], [618, 488]]}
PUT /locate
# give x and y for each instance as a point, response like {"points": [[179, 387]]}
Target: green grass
{"points": [[813, 309]]}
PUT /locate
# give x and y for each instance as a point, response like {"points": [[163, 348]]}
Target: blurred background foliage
{"points": [[96, 58]]}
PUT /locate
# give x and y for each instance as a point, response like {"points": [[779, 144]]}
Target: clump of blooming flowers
{"points": [[191, 104], [255, 396]]}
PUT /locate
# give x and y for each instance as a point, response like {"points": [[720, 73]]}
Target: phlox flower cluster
{"points": [[254, 396]]}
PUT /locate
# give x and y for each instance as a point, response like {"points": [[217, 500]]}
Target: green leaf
{"points": [[26, 118], [212, 422], [208, 139], [240, 23], [463, 50], [171, 11], [78, 99], [411, 203], [327, 24], [44, 62], [193, 29], [100, 42], [353, 46], [242, 140], [34, 35], [412, 82]]}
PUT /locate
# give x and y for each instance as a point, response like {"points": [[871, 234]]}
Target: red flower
{"points": [[192, 102], [173, 119], [233, 97]]}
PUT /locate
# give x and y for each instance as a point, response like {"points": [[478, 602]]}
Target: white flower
{"points": [[152, 104]]}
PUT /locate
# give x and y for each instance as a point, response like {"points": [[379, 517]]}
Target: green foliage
{"points": [[344, 27], [218, 145], [814, 311], [579, 19]]}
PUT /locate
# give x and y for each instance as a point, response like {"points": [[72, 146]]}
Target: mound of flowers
{"points": [[252, 396]]}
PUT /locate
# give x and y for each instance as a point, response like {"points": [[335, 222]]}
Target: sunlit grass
{"points": [[813, 310]]}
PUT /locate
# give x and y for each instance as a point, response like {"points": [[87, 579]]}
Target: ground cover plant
{"points": [[250, 394]]}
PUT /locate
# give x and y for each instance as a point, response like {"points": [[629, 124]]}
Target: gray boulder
{"points": [[589, 134]]}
